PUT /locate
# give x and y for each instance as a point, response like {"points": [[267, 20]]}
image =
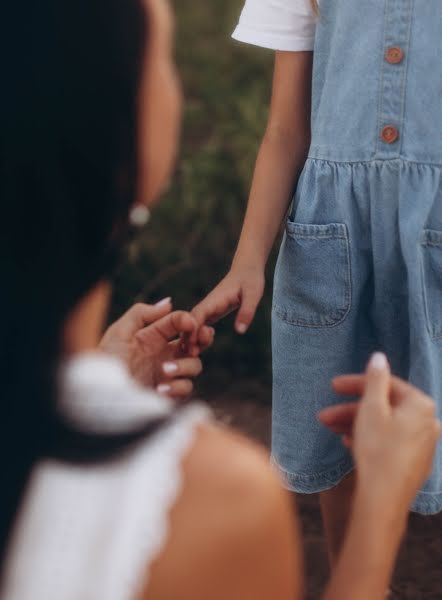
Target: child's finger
{"points": [[211, 310], [206, 336], [203, 310], [172, 325], [205, 339], [247, 310], [194, 351], [185, 343]]}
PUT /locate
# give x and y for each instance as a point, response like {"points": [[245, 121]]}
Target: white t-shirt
{"points": [[277, 24]]}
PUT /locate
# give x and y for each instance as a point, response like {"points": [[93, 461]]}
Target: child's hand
{"points": [[392, 431], [241, 290]]}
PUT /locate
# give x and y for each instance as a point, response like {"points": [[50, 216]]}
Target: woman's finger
{"points": [[354, 385], [178, 388], [141, 315], [182, 367], [378, 382], [347, 441], [349, 385], [339, 418]]}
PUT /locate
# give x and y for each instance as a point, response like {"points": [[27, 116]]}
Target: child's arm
{"points": [[281, 158]]}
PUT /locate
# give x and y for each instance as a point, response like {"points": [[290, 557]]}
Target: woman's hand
{"points": [[241, 289], [392, 432], [146, 338]]}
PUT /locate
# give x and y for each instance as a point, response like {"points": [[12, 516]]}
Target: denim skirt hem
{"points": [[315, 482], [425, 503]]}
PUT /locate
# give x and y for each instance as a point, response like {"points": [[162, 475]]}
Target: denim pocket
{"points": [[312, 279], [432, 280]]}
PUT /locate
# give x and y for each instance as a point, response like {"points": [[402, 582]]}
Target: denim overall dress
{"points": [[360, 266]]}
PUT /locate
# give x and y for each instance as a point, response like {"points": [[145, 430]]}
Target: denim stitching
{"points": [[334, 318], [431, 505], [405, 76], [428, 241], [381, 82], [333, 231], [329, 477], [398, 159]]}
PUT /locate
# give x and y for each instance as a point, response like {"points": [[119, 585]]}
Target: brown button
{"points": [[394, 55], [389, 134]]}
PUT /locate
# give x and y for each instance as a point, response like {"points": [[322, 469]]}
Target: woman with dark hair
{"points": [[108, 491]]}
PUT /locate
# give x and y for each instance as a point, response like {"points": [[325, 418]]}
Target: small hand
{"points": [[146, 338], [241, 290]]}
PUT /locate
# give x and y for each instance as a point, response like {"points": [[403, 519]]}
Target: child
{"points": [[360, 265]]}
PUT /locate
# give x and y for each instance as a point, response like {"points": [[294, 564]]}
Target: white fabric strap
{"points": [[92, 532]]}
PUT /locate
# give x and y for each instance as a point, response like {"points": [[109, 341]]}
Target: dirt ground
{"points": [[419, 569]]}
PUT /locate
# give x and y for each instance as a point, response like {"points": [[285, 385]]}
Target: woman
{"points": [[107, 491]]}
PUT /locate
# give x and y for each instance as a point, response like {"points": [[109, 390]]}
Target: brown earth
{"points": [[419, 568]]}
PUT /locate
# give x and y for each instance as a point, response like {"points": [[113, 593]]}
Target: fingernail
{"points": [[163, 388], [163, 302], [170, 368], [378, 361], [241, 328]]}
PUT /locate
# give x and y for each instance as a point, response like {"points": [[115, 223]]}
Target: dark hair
{"points": [[71, 72]]}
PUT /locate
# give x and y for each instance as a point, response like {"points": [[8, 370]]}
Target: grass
{"points": [[191, 239]]}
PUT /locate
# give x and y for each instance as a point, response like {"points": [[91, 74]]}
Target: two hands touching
{"points": [[392, 431], [148, 339], [162, 347]]}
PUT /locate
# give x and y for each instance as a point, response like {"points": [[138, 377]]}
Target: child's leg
{"points": [[335, 509]]}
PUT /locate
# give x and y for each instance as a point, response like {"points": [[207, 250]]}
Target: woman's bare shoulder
{"points": [[232, 531]]}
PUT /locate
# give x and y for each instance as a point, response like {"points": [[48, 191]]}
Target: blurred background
{"points": [[188, 245]]}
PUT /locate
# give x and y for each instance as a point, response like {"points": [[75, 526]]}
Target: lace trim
{"points": [[147, 533]]}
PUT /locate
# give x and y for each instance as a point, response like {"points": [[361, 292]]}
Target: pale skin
{"points": [[233, 532], [280, 159]]}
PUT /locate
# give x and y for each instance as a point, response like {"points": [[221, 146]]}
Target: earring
{"points": [[139, 215]]}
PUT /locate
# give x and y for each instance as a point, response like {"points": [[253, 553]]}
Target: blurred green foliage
{"points": [[190, 241]]}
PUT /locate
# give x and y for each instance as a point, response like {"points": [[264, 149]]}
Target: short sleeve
{"points": [[277, 24]]}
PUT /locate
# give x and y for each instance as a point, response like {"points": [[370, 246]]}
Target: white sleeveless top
{"points": [[90, 533]]}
